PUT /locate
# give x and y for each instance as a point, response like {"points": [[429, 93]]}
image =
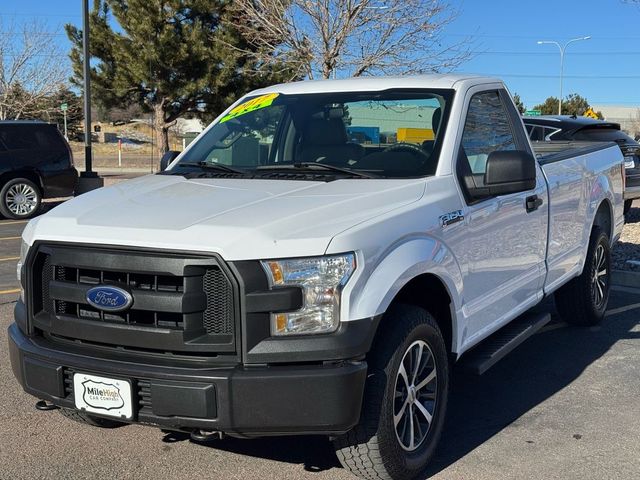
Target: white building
{"points": [[627, 117]]}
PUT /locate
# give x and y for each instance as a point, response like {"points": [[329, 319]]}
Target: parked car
{"points": [[35, 163], [279, 278], [572, 127]]}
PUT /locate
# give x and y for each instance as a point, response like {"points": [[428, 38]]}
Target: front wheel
{"points": [[405, 400], [583, 301], [20, 199]]}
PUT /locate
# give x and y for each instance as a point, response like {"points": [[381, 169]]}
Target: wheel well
{"points": [[603, 218], [427, 291], [28, 174]]}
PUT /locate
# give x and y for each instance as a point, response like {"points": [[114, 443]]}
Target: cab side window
{"points": [[487, 129]]}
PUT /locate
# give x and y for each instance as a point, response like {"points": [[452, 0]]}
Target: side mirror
{"points": [[167, 158], [510, 171]]}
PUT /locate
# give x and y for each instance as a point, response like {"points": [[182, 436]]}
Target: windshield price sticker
{"points": [[254, 104]]}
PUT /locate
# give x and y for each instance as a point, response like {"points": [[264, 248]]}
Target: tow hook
{"points": [[45, 406], [205, 435]]}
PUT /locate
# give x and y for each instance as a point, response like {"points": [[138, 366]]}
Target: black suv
{"points": [[572, 127], [35, 163]]}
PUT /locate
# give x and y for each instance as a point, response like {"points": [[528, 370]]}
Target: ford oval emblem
{"points": [[108, 298]]}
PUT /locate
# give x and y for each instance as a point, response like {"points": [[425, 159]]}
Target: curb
{"points": [[625, 278]]}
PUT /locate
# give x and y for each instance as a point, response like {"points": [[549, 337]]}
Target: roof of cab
{"points": [[372, 84]]}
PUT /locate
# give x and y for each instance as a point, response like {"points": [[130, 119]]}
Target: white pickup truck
{"points": [[314, 263]]}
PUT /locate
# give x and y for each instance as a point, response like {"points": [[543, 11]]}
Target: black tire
{"points": [[627, 206], [20, 198], [578, 302], [373, 448], [88, 419]]}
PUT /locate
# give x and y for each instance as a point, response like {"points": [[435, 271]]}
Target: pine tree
{"points": [[172, 57]]}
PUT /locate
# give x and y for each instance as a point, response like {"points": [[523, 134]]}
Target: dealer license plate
{"points": [[106, 396]]}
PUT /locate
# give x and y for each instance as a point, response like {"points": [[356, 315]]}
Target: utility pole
{"points": [[562, 49], [64, 108], [89, 180]]}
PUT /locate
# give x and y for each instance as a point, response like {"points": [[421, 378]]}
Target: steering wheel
{"points": [[411, 148]]}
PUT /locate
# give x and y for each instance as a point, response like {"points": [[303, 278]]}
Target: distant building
{"points": [[627, 117]]}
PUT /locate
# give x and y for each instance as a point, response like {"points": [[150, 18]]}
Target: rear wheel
{"points": [[88, 419], [583, 301], [405, 400], [20, 198]]}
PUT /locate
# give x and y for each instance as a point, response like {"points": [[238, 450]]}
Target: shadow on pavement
{"points": [[480, 407], [315, 453]]}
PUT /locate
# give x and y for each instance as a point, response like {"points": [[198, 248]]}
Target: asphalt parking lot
{"points": [[565, 405]]}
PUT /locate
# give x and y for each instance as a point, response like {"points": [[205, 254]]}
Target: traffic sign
{"points": [[533, 113], [64, 107], [590, 113]]}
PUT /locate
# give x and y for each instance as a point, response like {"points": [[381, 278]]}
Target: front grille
{"points": [[179, 304], [131, 282]]}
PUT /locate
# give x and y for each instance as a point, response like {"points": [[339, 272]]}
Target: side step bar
{"points": [[486, 354]]}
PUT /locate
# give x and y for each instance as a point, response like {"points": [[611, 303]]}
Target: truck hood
{"points": [[236, 218]]}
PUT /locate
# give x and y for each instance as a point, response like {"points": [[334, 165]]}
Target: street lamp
{"points": [[89, 180], [562, 48]]}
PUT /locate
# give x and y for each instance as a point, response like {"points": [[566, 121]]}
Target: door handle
{"points": [[532, 203]]}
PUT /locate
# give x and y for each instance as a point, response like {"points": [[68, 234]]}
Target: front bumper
{"points": [[237, 400]]}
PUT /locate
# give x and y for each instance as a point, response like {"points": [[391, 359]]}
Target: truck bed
{"points": [[547, 152]]}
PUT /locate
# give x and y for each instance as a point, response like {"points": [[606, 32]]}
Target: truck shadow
{"points": [[480, 407]]}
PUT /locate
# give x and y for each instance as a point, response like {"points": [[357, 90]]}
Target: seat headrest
{"points": [[320, 131]]}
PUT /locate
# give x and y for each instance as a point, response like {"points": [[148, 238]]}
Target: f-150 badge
{"points": [[451, 218]]}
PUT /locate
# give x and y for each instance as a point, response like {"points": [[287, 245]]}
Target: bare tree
{"points": [[32, 68], [325, 38]]}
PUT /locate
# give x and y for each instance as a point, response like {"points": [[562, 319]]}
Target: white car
{"points": [[312, 263]]}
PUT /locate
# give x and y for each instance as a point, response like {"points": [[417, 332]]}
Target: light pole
{"points": [[562, 49], [89, 180]]}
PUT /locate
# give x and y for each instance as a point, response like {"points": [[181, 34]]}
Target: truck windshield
{"points": [[391, 134]]}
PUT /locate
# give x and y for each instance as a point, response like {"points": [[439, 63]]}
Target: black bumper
{"points": [[237, 400]]}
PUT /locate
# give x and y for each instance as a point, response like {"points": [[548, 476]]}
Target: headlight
{"points": [[24, 249], [322, 280]]}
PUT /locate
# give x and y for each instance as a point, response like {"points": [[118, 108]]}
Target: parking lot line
{"points": [[9, 238], [6, 292], [6, 259], [13, 222], [626, 308]]}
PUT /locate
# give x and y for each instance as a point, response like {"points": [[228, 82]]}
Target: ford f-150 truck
{"points": [[280, 277]]}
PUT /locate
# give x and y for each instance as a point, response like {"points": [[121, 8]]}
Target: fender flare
{"points": [[373, 292]]}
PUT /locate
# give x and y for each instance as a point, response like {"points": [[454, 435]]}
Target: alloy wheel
{"points": [[415, 395], [600, 277], [21, 199]]}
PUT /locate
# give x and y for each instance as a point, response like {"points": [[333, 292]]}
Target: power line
{"points": [[536, 37], [582, 77], [16, 14]]}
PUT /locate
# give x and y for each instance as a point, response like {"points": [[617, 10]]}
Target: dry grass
{"points": [[141, 140]]}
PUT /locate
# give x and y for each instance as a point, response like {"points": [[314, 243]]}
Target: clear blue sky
{"points": [[605, 69]]}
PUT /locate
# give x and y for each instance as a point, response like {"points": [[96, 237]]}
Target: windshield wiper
{"points": [[321, 166], [212, 166]]}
